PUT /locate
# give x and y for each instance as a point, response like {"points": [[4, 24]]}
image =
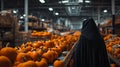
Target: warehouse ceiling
{"points": [[64, 8]]}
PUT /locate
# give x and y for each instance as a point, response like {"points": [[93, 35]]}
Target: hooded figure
{"points": [[91, 49]]}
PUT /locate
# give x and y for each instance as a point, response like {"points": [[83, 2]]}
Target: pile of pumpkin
{"points": [[107, 37], [38, 53], [113, 46], [41, 34]]}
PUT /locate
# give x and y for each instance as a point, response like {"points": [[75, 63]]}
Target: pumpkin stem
{"points": [[50, 49], [42, 49], [33, 49], [17, 48], [7, 44], [25, 45], [39, 58], [23, 58]]}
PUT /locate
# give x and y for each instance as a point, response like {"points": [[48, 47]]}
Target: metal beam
{"points": [[113, 15], [98, 14], [26, 13]]}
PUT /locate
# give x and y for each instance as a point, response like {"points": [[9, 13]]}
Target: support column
{"points": [[2, 5], [98, 14], [113, 16], [26, 13]]}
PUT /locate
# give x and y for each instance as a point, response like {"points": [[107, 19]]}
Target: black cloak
{"points": [[91, 49]]}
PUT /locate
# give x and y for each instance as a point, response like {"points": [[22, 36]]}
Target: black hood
{"points": [[90, 30]]}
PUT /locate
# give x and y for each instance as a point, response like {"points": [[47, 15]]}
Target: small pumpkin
{"points": [[23, 57], [44, 49], [28, 64], [35, 45], [26, 48], [16, 63], [59, 63], [43, 59], [49, 56], [9, 52], [112, 65], [5, 62], [29, 43], [109, 49], [40, 51], [49, 44], [46, 56], [57, 49], [34, 55], [42, 64]]}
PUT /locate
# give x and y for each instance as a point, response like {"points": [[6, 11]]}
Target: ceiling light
{"points": [[56, 13], [14, 11], [65, 1], [84, 19], [87, 1], [21, 17], [42, 19], [50, 9], [42, 1], [80, 1], [24, 15], [105, 11]]}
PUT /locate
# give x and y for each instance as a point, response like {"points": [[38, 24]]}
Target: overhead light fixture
{"points": [[24, 15], [14, 11], [84, 19], [42, 19], [50, 9], [42, 1], [56, 13], [105, 11], [64, 1], [87, 1], [21, 17], [80, 1]]}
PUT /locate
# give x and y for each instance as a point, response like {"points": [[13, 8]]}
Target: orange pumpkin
{"points": [[46, 56], [44, 49], [49, 55], [0, 53], [54, 54], [57, 49], [42, 64], [29, 43], [28, 64], [113, 65], [109, 49], [16, 63], [5, 62], [35, 45], [59, 63], [23, 57], [34, 55], [40, 51], [26, 48], [49, 44], [43, 59], [9, 52]]}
